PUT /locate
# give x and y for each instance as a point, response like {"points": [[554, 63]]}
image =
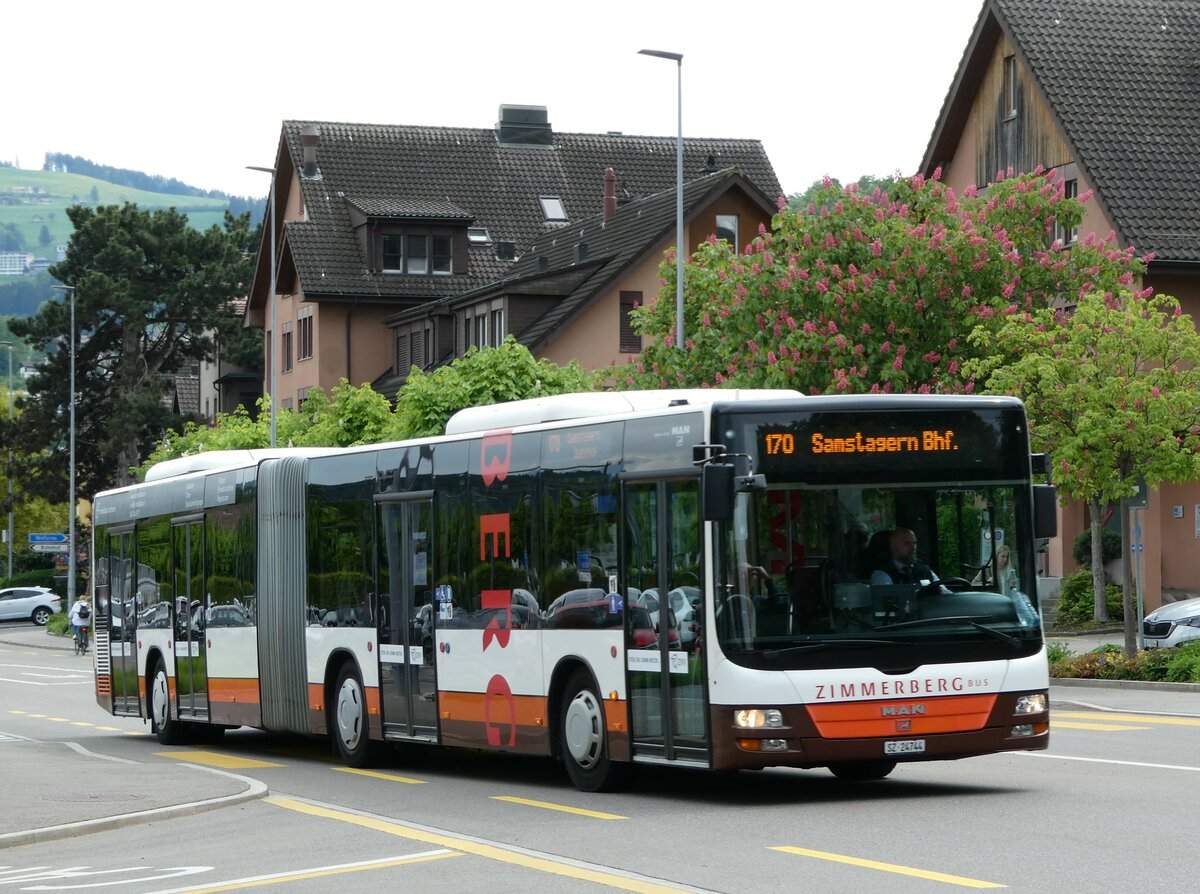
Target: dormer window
{"points": [[417, 253], [553, 209]]}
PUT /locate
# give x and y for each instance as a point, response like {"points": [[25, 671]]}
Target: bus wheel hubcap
{"points": [[583, 729], [349, 714], [159, 698]]}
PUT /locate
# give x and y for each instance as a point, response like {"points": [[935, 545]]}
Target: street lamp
{"points": [[8, 469], [678, 59], [271, 343], [71, 497]]}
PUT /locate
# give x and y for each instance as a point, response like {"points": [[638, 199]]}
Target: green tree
{"points": [[873, 293], [149, 294], [44, 236], [11, 238], [806, 202], [1113, 388], [482, 377]]}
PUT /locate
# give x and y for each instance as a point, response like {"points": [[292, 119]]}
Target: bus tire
{"points": [[168, 730], [862, 771], [583, 740], [348, 724]]}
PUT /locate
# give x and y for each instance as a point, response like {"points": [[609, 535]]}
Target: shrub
{"points": [[1183, 663], [1110, 547], [1077, 601]]}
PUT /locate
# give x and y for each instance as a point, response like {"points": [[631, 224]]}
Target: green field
{"points": [[65, 190]]}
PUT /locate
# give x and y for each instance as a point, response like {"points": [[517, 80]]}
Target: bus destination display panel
{"points": [[972, 445]]}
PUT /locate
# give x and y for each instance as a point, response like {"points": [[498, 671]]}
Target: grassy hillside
{"points": [[64, 190]]}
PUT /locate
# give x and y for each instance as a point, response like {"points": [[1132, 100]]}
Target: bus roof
{"points": [[226, 459], [562, 407]]}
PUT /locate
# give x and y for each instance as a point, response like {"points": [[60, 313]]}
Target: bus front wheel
{"points": [[862, 771], [583, 739], [351, 734]]}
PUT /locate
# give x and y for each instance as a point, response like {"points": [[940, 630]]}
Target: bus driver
{"points": [[902, 565]]}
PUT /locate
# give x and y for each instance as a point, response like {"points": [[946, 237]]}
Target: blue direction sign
{"points": [[47, 538]]}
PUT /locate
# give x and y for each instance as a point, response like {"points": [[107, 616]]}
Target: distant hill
{"points": [[33, 205]]}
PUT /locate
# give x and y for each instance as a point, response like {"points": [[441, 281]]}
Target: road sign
{"points": [[47, 538], [51, 547]]}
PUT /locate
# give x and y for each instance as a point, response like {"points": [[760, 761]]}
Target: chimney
{"points": [[710, 164], [581, 252], [610, 193], [524, 126], [310, 137]]}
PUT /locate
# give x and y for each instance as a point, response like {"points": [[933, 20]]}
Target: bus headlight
{"points": [[1031, 704], [757, 718]]}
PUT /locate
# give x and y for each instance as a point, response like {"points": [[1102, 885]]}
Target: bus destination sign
{"points": [[928, 440]]}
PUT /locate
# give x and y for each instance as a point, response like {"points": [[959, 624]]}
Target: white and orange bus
{"points": [[697, 578]]}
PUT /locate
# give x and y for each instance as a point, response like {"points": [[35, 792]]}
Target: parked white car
{"points": [[1172, 624], [36, 604]]}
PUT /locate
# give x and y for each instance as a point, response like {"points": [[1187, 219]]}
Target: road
{"points": [[1111, 806]]}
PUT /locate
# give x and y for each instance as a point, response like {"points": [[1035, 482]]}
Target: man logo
{"points": [[904, 726]]}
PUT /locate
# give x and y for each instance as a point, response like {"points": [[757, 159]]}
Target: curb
{"points": [[255, 790], [1146, 685], [52, 646]]}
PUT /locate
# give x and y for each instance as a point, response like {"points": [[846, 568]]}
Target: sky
{"points": [[199, 91]]}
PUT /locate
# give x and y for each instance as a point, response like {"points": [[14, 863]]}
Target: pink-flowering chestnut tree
{"points": [[871, 292], [1112, 386]]}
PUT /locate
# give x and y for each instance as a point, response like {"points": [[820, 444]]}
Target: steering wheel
{"points": [[935, 585]]}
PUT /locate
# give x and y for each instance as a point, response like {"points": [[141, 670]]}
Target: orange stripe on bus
{"points": [[233, 690], [316, 698], [913, 716], [527, 710]]}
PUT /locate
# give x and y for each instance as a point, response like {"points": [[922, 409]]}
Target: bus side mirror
{"points": [[717, 485], [1045, 511]]}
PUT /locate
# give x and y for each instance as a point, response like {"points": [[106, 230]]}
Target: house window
{"points": [[1066, 236], [286, 403], [498, 332], [442, 255], [727, 229], [302, 394], [403, 360], [481, 331], [629, 341], [417, 260], [285, 348], [553, 208], [393, 254], [478, 236], [414, 349], [304, 329], [1010, 87]]}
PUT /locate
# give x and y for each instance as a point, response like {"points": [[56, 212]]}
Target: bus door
{"points": [[408, 687], [118, 615], [664, 627], [188, 613]]}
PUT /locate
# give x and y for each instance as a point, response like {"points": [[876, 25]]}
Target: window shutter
{"points": [[629, 341]]}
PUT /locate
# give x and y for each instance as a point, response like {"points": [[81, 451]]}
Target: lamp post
{"points": [[271, 343], [8, 468], [679, 247], [71, 495]]}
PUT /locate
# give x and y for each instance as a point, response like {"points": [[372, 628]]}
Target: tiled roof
{"points": [[467, 169], [1123, 79], [403, 206]]}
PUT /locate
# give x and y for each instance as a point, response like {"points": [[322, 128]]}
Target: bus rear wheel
{"points": [[168, 730], [582, 738], [349, 724], [862, 771]]}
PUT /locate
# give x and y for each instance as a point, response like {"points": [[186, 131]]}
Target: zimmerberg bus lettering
{"points": [[892, 688], [930, 441]]}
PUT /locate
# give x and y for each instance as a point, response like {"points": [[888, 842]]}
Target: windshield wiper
{"points": [[1013, 641], [818, 645]]}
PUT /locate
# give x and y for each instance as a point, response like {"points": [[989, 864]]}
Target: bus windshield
{"points": [[864, 557]]}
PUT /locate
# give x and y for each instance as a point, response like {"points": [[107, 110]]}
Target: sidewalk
{"points": [[51, 790]]}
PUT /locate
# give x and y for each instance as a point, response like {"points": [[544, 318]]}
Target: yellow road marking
{"points": [[80, 723], [891, 867], [546, 805], [1128, 718], [110, 729], [213, 759], [57, 719], [132, 732], [260, 881], [35, 715], [14, 711], [375, 774], [490, 852], [1103, 727]]}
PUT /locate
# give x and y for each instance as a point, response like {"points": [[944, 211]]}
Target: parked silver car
{"points": [[1172, 624], [35, 603]]}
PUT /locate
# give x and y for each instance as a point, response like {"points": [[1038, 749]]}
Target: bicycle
{"points": [[81, 641]]}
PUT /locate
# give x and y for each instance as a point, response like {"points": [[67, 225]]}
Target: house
{"points": [[1108, 93], [374, 221], [570, 296]]}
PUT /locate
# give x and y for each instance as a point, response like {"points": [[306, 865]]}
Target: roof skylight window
{"points": [[553, 208], [478, 236]]}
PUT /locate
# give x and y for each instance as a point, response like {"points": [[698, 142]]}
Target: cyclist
{"points": [[79, 617]]}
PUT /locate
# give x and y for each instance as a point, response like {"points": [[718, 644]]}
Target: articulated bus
{"points": [[694, 578]]}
